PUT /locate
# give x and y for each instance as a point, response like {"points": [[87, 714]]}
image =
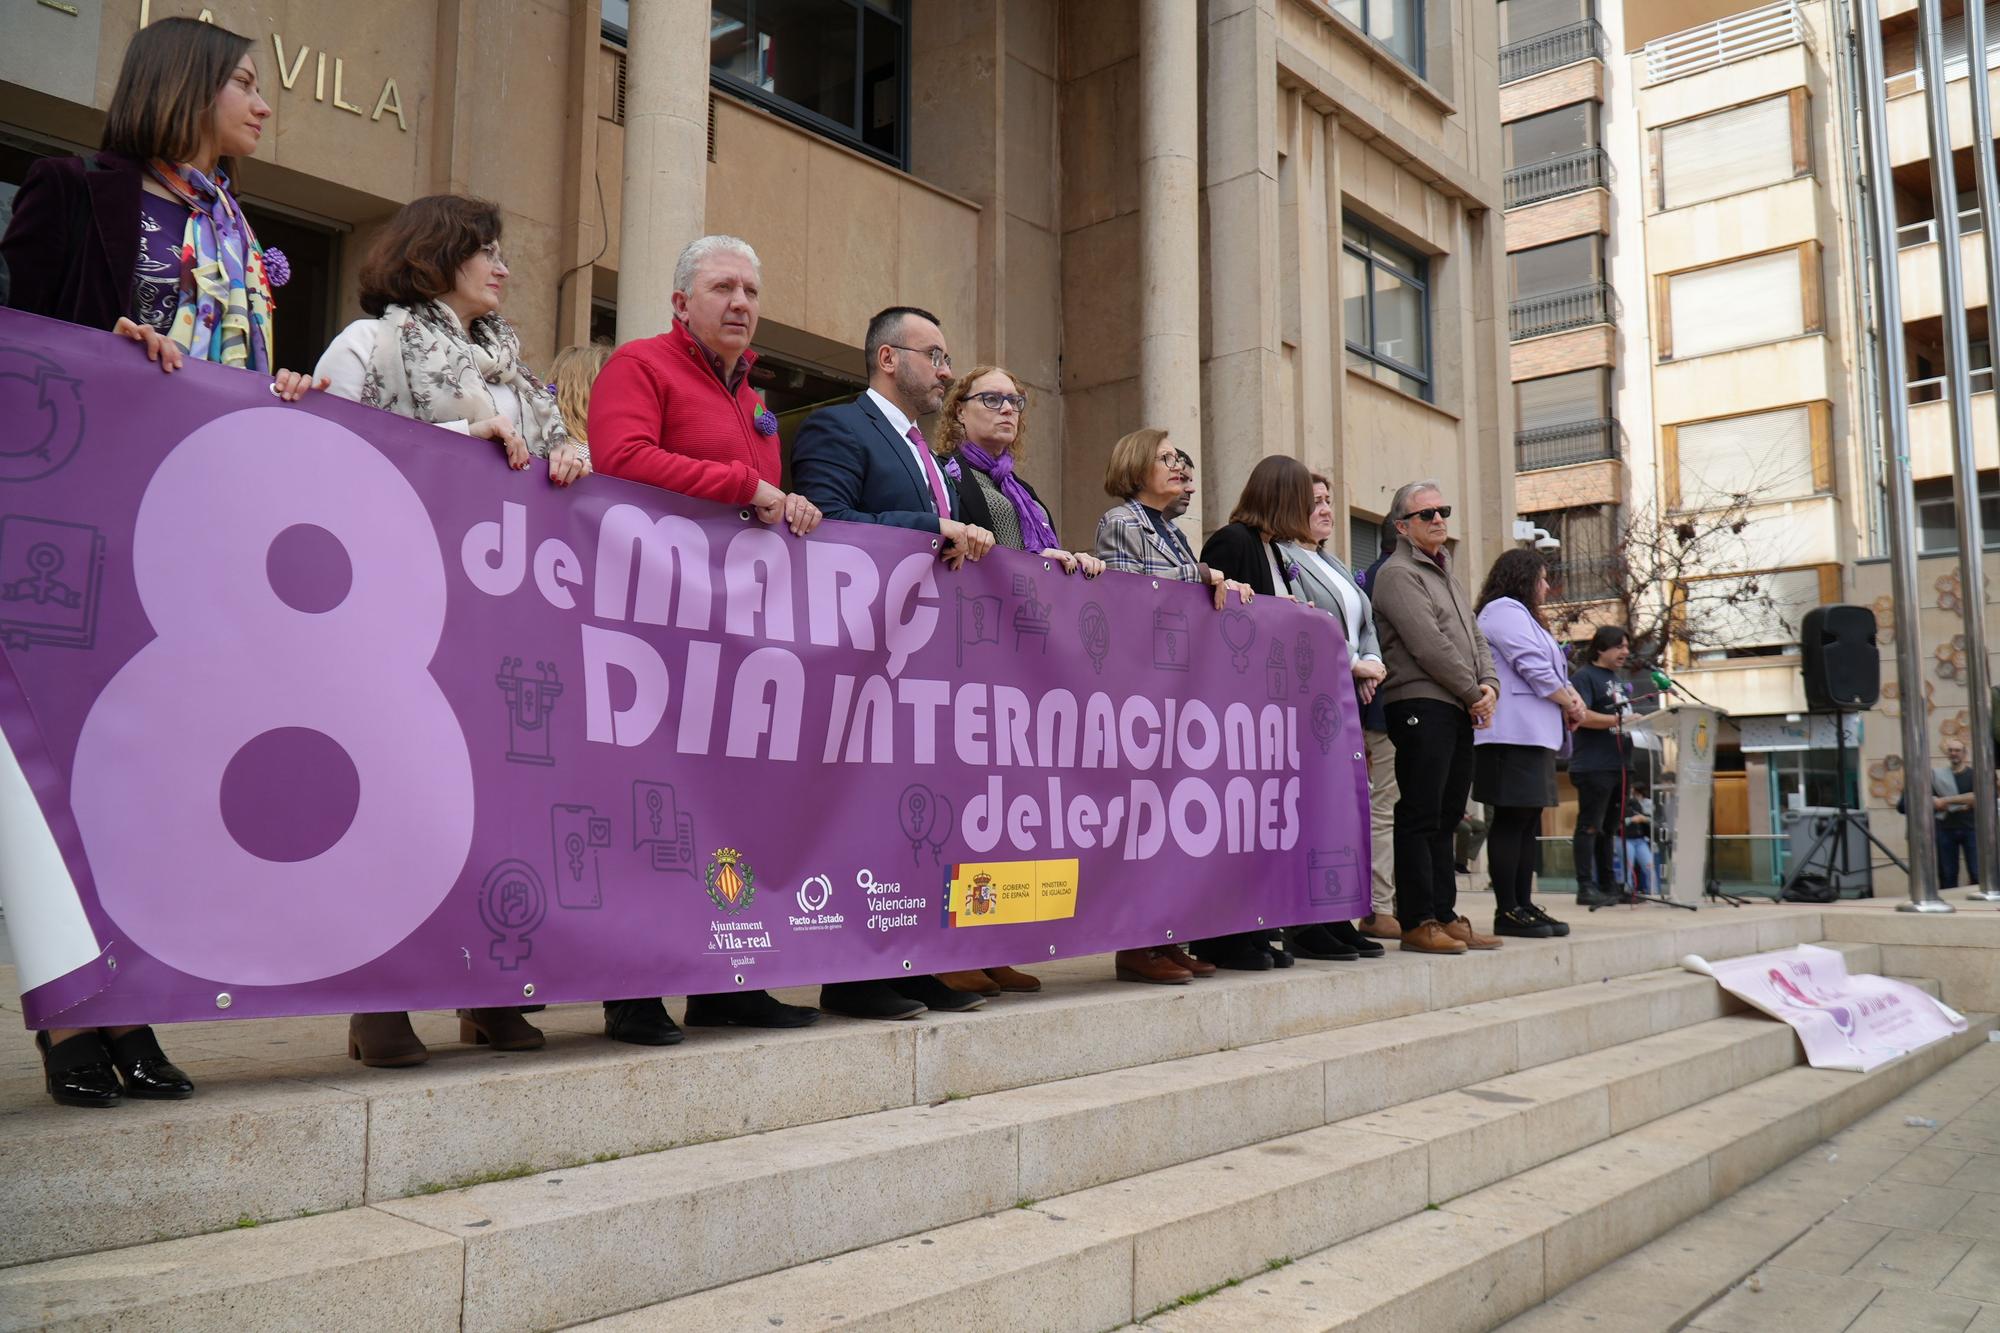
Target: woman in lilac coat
{"points": [[1514, 762]]}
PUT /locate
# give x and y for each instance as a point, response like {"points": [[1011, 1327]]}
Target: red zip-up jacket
{"points": [[659, 414]]}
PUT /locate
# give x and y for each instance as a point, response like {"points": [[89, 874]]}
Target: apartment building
{"points": [[1686, 365]]}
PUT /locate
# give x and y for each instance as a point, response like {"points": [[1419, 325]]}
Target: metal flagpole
{"points": [[1958, 384], [1986, 886], [1895, 399]]}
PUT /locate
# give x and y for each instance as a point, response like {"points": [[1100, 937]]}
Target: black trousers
{"points": [[1433, 741], [1510, 853], [1597, 823]]}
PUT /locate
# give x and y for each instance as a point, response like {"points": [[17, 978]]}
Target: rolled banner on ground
{"points": [[1846, 1021], [310, 708]]}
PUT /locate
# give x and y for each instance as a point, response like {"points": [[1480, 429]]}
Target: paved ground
{"points": [[1888, 1227]]}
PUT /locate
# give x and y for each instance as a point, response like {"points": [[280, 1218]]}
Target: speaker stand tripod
{"points": [[1838, 865]]}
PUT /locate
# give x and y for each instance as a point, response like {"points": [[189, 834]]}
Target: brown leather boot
{"points": [[1430, 937], [1377, 926], [1461, 930], [1148, 965], [502, 1029], [384, 1041], [1185, 961], [972, 983], [1018, 983]]}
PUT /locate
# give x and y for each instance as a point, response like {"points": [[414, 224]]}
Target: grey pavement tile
{"points": [[1987, 1320], [1830, 1248], [1913, 1259], [1977, 1274], [1981, 1172], [1980, 1218], [1931, 1166], [1905, 1311], [1788, 1302], [1899, 1203]]}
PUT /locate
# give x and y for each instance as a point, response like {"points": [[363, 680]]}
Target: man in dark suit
{"points": [[868, 462]]}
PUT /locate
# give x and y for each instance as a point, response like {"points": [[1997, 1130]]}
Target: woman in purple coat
{"points": [[1514, 760]]}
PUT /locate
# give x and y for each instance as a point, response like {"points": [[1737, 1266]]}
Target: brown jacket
{"points": [[1431, 642]]}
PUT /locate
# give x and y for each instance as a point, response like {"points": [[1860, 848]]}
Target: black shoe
{"points": [[1461, 867], [1555, 927], [1321, 944], [1523, 925], [751, 1009], [1346, 933], [640, 1022], [868, 999], [148, 1074], [1237, 957], [1588, 896], [79, 1070], [934, 994], [1280, 958]]}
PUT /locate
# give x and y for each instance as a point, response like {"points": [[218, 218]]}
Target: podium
{"points": [[1684, 809]]}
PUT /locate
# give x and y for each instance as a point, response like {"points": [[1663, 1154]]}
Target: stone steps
{"points": [[1210, 1245], [276, 1134], [580, 1242]]}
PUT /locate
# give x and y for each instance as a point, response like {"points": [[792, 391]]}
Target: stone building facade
{"points": [[1167, 212]]}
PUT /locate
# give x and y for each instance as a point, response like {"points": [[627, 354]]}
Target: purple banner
{"points": [[309, 708]]}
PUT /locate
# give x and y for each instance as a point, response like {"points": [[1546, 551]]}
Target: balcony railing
{"points": [[1551, 50], [1576, 308], [1912, 234], [1724, 41], [1537, 181], [1933, 390], [1564, 445], [1587, 578]]}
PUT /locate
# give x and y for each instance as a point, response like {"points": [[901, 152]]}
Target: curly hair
{"points": [[951, 432], [576, 368], [418, 253], [1516, 574]]}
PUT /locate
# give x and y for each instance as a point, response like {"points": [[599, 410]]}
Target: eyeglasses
{"points": [[492, 252], [1426, 515], [994, 402], [940, 359]]}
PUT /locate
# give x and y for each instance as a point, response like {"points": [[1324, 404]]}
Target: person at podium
{"points": [[1597, 764]]}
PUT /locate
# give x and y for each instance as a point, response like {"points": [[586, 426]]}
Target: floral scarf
{"points": [[429, 367], [224, 311]]}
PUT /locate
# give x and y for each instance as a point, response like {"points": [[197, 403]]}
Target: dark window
{"points": [[1522, 19], [838, 67], [1395, 24], [1563, 132], [1364, 541], [1937, 514], [1587, 567], [1387, 308], [1576, 262]]}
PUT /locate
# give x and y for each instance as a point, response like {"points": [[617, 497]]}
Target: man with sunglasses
{"points": [[1441, 684]]}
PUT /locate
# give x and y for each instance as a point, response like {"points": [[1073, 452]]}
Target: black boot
{"points": [[79, 1070], [1350, 935], [147, 1072], [868, 999], [640, 1022], [1317, 942], [750, 1009]]}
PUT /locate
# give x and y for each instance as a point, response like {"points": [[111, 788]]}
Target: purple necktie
{"points": [[931, 471]]}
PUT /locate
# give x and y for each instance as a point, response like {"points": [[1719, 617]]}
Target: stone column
{"points": [[1170, 227], [666, 158]]}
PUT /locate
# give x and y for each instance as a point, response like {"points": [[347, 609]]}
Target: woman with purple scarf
{"points": [[984, 422], [985, 417]]}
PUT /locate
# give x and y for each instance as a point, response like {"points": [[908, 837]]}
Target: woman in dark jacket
{"points": [[1276, 506], [146, 240]]}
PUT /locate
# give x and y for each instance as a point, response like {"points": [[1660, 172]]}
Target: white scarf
{"points": [[427, 366]]}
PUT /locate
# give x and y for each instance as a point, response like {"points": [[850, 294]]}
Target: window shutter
{"points": [[1364, 542], [1768, 455], [1560, 400], [1768, 617], [1955, 62], [1738, 304], [1727, 153]]}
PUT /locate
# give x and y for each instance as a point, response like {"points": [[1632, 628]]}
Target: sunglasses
{"points": [[1426, 515]]}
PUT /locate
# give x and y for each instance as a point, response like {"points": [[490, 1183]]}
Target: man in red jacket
{"points": [[677, 410]]}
